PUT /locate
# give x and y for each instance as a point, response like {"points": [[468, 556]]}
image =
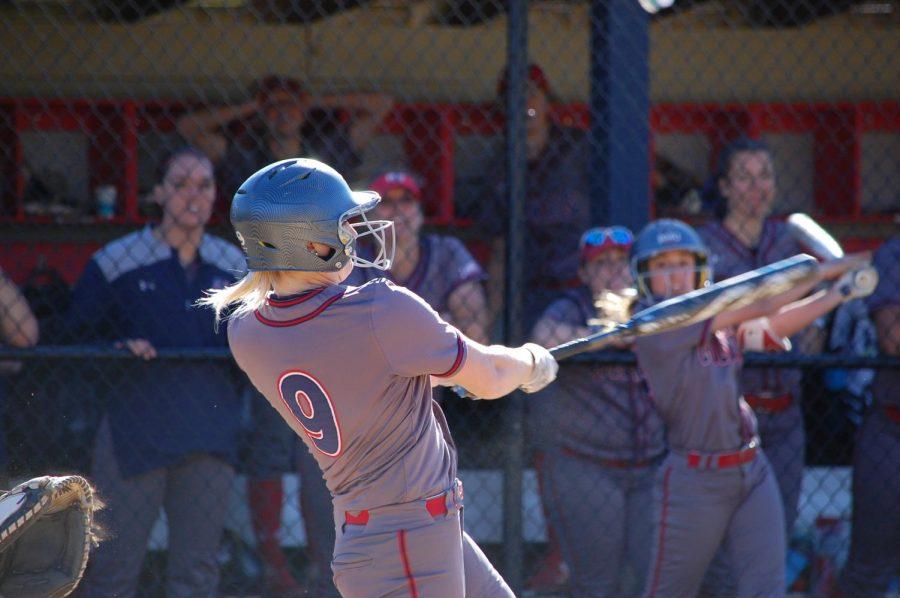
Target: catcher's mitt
{"points": [[46, 533]]}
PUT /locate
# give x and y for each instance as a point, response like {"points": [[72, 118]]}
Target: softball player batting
{"points": [[715, 487], [350, 369]]}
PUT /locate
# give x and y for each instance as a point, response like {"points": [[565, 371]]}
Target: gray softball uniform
{"points": [[715, 487], [348, 369], [773, 393], [606, 441], [444, 265], [874, 558]]}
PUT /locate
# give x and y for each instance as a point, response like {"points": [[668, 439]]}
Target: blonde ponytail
{"points": [[249, 293]]}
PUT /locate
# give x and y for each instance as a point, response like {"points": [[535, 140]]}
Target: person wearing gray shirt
{"points": [[605, 437], [716, 487], [350, 369]]}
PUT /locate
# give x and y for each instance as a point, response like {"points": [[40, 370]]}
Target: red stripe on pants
{"points": [[662, 533], [407, 570]]}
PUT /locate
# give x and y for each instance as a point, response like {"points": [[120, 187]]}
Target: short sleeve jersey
{"points": [[348, 369], [444, 265], [887, 294], [601, 411], [729, 258], [692, 372]]}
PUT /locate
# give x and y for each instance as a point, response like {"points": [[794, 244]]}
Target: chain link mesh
{"points": [[127, 126]]}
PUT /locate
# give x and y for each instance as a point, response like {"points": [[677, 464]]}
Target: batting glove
{"points": [[544, 370]]}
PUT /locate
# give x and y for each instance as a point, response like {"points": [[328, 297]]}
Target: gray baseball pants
{"points": [[697, 510], [784, 440], [403, 550], [602, 518], [195, 495]]}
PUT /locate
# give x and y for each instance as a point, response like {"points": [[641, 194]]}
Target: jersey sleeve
{"points": [[459, 265], [887, 263], [413, 338]]}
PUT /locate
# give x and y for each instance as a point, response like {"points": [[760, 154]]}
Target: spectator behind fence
{"points": [[169, 434], [18, 328], [605, 437], [556, 202], [874, 559], [555, 211], [743, 238], [438, 268], [276, 124]]}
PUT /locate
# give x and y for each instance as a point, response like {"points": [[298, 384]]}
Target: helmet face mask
{"points": [[287, 205], [662, 236], [379, 231]]}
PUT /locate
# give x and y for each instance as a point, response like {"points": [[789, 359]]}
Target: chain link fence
{"points": [[127, 126]]}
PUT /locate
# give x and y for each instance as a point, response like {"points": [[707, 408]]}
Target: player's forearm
{"points": [[19, 326], [796, 316], [491, 372]]}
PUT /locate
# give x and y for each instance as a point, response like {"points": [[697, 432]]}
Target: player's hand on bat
{"points": [[543, 371], [139, 347], [857, 283], [835, 269]]}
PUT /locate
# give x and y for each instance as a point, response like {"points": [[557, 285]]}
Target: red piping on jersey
{"points": [[407, 570], [704, 332], [301, 319], [304, 296], [662, 532], [460, 357]]}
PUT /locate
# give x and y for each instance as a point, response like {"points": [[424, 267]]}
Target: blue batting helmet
{"points": [[283, 207], [663, 235]]}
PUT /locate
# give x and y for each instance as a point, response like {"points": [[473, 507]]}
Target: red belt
{"points": [[893, 413], [721, 460], [436, 506], [611, 463], [765, 404]]}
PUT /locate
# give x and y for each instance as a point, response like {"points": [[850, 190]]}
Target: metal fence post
{"points": [[620, 108], [517, 61]]}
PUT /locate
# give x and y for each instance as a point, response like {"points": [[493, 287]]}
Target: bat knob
{"points": [[866, 280], [856, 284]]}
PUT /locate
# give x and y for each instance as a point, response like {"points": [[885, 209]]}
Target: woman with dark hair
{"points": [[743, 237], [170, 429]]}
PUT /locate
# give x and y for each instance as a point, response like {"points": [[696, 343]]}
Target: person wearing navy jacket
{"points": [[170, 429]]}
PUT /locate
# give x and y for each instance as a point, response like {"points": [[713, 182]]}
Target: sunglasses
{"points": [[604, 238]]}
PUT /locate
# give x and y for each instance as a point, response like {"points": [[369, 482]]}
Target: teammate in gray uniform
{"points": [[715, 487], [874, 558], [605, 437], [742, 240], [350, 369]]}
